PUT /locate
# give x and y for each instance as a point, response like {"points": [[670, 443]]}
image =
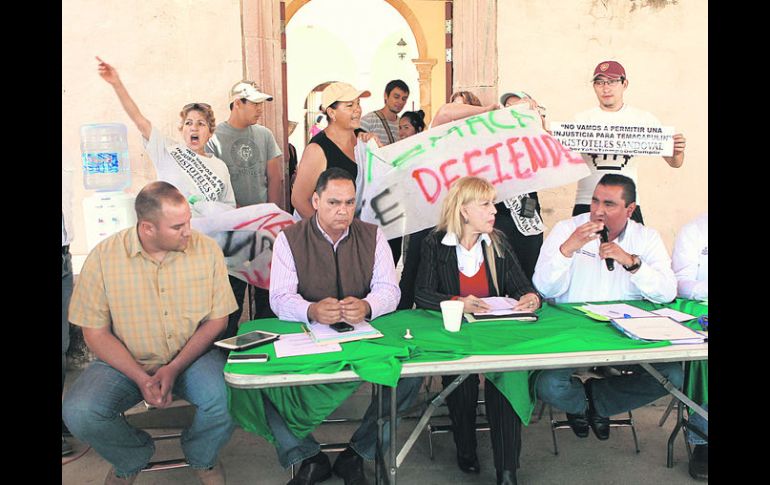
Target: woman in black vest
{"points": [[336, 146], [466, 259]]}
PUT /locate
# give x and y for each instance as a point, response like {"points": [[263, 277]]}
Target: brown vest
{"points": [[314, 259]]}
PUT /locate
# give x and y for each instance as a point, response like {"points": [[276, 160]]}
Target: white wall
{"points": [[168, 53], [550, 48]]}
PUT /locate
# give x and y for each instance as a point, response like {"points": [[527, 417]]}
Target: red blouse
{"points": [[476, 285]]}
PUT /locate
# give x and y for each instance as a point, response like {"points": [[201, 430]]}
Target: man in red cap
{"points": [[610, 82]]}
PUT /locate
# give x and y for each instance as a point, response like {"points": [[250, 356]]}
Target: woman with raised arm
{"points": [[197, 175]]}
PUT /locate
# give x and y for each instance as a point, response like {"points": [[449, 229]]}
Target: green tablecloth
{"points": [[561, 328]]}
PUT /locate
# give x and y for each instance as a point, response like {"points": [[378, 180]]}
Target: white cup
{"points": [[452, 312]]}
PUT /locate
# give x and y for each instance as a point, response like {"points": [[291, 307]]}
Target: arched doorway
{"points": [[324, 42]]}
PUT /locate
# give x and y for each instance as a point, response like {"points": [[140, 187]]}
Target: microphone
{"points": [[604, 236]]}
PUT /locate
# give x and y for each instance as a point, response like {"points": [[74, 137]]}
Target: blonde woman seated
{"points": [[466, 259]]}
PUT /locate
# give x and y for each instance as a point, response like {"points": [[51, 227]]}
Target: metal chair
{"points": [[614, 423], [142, 409], [446, 428], [596, 372]]}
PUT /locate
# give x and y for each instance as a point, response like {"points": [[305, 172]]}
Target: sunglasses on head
{"points": [[196, 106]]}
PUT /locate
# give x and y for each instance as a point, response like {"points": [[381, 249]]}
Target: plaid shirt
{"points": [[154, 308]]}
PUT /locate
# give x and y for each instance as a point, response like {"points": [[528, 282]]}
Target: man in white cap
{"points": [[254, 161], [610, 82]]}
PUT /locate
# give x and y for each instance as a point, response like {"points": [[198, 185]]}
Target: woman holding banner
{"points": [[466, 259], [519, 217], [338, 145]]}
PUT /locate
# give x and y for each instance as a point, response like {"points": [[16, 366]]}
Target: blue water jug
{"points": [[104, 149]]}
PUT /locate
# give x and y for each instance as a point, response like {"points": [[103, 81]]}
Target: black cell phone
{"points": [[341, 327], [247, 358]]}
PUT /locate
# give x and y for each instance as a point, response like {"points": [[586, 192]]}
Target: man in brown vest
{"points": [[306, 285]]}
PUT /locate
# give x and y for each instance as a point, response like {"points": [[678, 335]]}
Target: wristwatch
{"points": [[636, 265]]}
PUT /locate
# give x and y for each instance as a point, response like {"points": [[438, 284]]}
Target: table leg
{"points": [[393, 419], [378, 458], [674, 391], [434, 404]]}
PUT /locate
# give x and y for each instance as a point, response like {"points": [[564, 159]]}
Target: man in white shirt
{"points": [[610, 83], [690, 262], [574, 267]]}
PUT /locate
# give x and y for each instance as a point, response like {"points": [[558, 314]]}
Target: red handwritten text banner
{"points": [[406, 182], [246, 236]]}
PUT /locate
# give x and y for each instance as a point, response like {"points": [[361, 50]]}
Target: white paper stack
{"points": [[324, 334], [656, 329]]}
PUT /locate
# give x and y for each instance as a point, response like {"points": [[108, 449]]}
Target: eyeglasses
{"points": [[607, 82], [196, 106]]}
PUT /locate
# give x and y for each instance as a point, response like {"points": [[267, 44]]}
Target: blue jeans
{"points": [[699, 422], [93, 405], [612, 395], [292, 450]]}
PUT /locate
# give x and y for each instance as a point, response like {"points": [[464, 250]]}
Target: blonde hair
{"points": [[463, 191]]}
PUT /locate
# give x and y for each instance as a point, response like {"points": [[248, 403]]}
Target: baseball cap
{"points": [[341, 92], [611, 69], [248, 90], [518, 94]]}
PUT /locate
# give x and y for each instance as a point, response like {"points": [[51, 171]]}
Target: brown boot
{"points": [[112, 479], [212, 476]]}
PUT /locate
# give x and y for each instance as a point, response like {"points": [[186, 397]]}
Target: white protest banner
{"points": [[601, 139], [246, 236], [406, 182]]}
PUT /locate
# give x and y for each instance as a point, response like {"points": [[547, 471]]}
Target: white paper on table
{"points": [[674, 315], [293, 344], [657, 328], [498, 305], [324, 334], [618, 310]]}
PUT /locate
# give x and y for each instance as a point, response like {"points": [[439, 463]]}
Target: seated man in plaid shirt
{"points": [[151, 300]]}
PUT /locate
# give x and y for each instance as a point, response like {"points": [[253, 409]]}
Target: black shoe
{"points": [[468, 463], [579, 424], [599, 424], [699, 463], [350, 467], [313, 470], [506, 477]]}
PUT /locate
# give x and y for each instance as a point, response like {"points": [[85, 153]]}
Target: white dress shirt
{"points": [[690, 260], [290, 306], [468, 260], [585, 277]]}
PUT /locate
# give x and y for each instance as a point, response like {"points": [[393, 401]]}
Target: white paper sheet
{"points": [[324, 334], [499, 305], [657, 328], [618, 310], [674, 315], [301, 344]]}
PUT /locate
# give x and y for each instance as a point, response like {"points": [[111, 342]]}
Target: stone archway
{"points": [[423, 64]]}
